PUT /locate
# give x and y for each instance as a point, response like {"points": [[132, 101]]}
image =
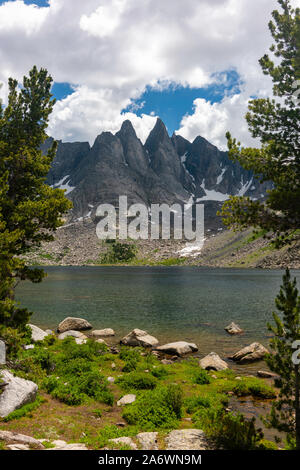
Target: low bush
{"points": [[137, 381], [254, 387], [160, 372], [201, 377], [229, 431], [157, 409]]}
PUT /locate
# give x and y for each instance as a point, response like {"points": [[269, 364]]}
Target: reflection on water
{"points": [[172, 303]]}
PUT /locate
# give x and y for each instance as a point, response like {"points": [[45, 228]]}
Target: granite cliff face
{"points": [[163, 170]]}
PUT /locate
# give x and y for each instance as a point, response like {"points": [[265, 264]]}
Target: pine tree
{"points": [[285, 414], [30, 210], [276, 123]]}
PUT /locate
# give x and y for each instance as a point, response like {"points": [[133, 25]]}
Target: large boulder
{"points": [[139, 338], [16, 393], [213, 362], [187, 439], [126, 400], [102, 333], [234, 329], [20, 439], [2, 352], [72, 323], [37, 333], [180, 348], [252, 353]]}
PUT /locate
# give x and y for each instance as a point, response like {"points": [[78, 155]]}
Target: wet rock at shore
{"points": [[72, 323], [234, 329], [37, 334], [16, 393], [139, 338], [103, 333], [265, 374], [126, 400], [213, 362], [252, 353], [180, 348]]}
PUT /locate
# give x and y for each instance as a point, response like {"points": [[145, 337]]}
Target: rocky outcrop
{"points": [[187, 439], [234, 329], [180, 348], [37, 333], [213, 362], [16, 393], [126, 400], [102, 333], [254, 352], [139, 338], [20, 439], [72, 323]]}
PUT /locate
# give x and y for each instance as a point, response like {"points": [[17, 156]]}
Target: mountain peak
{"points": [[158, 135], [127, 128]]}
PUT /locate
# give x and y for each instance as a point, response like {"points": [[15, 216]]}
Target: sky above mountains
{"points": [[193, 63]]}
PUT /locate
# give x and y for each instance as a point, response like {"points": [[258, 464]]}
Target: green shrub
{"points": [[137, 381], [201, 377], [267, 445], [229, 431], [193, 403], [119, 253], [157, 409], [131, 357], [160, 372], [254, 387]]}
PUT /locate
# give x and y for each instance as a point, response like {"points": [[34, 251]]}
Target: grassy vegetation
{"points": [[78, 404]]}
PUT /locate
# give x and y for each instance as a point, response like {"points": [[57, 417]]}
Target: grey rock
{"points": [[265, 374], [2, 353], [126, 400], [252, 353], [73, 323], [37, 333], [187, 439], [73, 333], [147, 440], [10, 437], [180, 348], [28, 347], [17, 447], [18, 392], [139, 338], [111, 380], [213, 362], [234, 329], [105, 332]]}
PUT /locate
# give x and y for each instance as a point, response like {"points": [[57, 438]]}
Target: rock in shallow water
{"points": [[180, 348], [213, 362], [252, 353], [16, 393], [139, 338], [73, 323], [234, 329], [104, 333]]}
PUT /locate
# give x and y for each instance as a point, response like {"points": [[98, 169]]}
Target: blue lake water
{"points": [[172, 303]]}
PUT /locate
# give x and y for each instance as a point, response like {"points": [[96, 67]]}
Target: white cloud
{"points": [[110, 50], [212, 121]]}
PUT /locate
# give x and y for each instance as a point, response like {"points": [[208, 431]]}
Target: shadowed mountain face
{"points": [[164, 170]]}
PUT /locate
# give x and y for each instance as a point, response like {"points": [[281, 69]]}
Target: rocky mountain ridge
{"points": [[163, 170]]}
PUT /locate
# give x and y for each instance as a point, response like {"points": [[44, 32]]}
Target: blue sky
{"points": [[40, 3]]}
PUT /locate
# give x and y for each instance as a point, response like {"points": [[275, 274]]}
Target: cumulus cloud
{"points": [[110, 50]]}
